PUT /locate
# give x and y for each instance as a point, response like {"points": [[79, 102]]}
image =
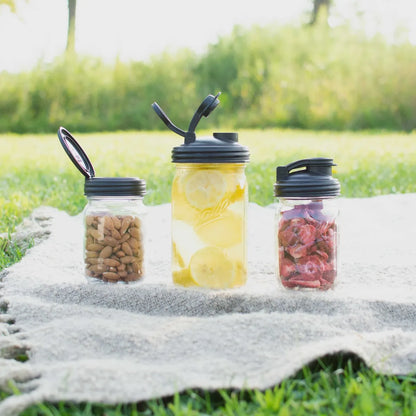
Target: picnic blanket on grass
{"points": [[126, 343]]}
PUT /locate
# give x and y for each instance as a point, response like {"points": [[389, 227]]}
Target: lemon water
{"points": [[209, 225]]}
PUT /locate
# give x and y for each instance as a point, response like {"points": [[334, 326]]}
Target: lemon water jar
{"points": [[209, 206]]}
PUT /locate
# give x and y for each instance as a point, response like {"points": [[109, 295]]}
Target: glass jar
{"points": [[114, 238], [113, 220], [307, 234], [209, 207]]}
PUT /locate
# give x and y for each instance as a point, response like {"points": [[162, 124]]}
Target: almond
{"points": [[127, 249], [94, 247], [96, 234], [133, 243], [91, 260], [115, 234], [106, 252], [110, 241], [135, 232], [110, 276], [112, 262], [127, 259], [125, 224], [132, 277], [98, 268], [124, 238], [108, 222], [116, 223]]}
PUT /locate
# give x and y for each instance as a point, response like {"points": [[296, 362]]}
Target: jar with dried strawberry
{"points": [[307, 232]]}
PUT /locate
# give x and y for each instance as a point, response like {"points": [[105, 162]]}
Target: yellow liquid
{"points": [[209, 205]]}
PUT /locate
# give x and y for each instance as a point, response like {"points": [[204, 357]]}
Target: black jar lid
{"points": [[98, 186], [114, 187], [307, 178], [223, 147]]}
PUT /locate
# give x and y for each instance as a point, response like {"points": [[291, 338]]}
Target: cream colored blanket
{"points": [[124, 343]]}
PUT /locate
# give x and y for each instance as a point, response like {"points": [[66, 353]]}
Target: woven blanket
{"points": [[117, 343]]}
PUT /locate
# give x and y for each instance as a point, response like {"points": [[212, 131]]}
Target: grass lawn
{"points": [[34, 170]]}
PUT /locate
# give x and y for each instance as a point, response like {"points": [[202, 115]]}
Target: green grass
{"points": [[34, 170], [340, 385]]}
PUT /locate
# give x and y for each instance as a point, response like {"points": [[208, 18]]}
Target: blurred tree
{"points": [[72, 7], [10, 3], [320, 11], [70, 40]]}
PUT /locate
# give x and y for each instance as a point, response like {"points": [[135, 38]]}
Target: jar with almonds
{"points": [[209, 206], [113, 221]]}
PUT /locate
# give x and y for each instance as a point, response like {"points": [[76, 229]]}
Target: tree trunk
{"points": [[70, 41], [320, 7]]}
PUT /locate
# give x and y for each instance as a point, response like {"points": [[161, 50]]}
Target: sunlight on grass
{"points": [[35, 170]]}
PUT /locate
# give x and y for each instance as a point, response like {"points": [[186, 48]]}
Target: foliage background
{"points": [[311, 77]]}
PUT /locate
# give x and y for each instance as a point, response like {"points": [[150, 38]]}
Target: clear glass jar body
{"points": [[114, 239], [307, 240], [209, 207]]}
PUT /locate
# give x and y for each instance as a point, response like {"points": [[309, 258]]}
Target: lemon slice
{"points": [[205, 188], [238, 195], [241, 274], [210, 268], [223, 231], [183, 278], [176, 256]]}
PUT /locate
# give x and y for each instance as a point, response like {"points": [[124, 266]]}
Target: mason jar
{"points": [[114, 230], [113, 235], [306, 229], [209, 205]]}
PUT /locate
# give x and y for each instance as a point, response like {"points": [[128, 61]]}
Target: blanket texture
{"points": [[123, 343]]}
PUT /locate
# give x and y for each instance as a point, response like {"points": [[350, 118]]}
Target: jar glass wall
{"points": [[307, 237], [114, 238], [209, 207]]}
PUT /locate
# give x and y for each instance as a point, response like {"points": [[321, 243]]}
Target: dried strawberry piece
{"points": [[330, 275], [289, 284], [324, 284], [288, 237], [298, 251], [287, 268], [307, 234], [307, 247], [281, 254], [310, 267], [297, 232], [304, 283], [324, 226], [322, 254]]}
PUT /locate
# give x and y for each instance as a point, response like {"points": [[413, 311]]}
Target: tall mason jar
{"points": [[114, 230], [209, 205], [209, 215], [307, 233]]}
